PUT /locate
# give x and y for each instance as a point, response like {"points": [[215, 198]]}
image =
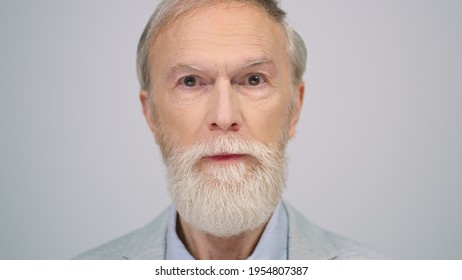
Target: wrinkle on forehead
{"points": [[230, 29], [220, 36]]}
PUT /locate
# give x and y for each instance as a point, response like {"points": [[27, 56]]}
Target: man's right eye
{"points": [[189, 81]]}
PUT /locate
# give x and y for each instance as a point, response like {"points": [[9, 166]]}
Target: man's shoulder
{"points": [[348, 249], [147, 242], [308, 241]]}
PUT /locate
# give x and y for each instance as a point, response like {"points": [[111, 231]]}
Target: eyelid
{"points": [[200, 81], [264, 79]]}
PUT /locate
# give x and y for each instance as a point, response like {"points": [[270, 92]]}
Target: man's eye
{"points": [[254, 80], [189, 81]]}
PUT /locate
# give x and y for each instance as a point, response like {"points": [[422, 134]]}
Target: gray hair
{"points": [[170, 10]]}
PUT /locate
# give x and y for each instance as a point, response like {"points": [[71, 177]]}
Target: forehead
{"points": [[222, 33]]}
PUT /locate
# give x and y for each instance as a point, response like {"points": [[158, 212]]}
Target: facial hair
{"points": [[225, 199]]}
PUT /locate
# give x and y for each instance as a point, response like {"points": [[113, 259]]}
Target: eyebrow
{"points": [[184, 66], [256, 62], [251, 63], [247, 64]]}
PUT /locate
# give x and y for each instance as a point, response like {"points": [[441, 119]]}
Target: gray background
{"points": [[377, 156]]}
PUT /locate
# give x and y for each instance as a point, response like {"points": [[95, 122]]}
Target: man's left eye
{"points": [[254, 80]]}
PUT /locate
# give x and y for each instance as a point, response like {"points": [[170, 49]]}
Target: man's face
{"points": [[222, 71]]}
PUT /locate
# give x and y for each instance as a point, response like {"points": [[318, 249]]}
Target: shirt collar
{"points": [[273, 244]]}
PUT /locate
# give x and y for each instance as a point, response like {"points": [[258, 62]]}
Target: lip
{"points": [[225, 157]]}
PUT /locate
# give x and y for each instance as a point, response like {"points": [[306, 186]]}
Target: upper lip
{"points": [[224, 154]]}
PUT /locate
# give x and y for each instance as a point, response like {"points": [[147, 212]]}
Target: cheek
{"points": [[180, 124], [266, 122]]}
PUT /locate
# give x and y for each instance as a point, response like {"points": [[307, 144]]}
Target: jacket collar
{"points": [[307, 241], [149, 242]]}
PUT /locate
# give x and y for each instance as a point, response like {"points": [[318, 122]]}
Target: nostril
{"points": [[234, 126], [224, 127]]}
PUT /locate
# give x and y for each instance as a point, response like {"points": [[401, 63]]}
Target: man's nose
{"points": [[224, 113]]}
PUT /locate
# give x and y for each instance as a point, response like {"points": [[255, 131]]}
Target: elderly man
{"points": [[222, 90]]}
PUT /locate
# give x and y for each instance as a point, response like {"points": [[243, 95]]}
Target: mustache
{"points": [[223, 144]]}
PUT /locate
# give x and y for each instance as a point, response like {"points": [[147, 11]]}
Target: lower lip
{"points": [[224, 158]]}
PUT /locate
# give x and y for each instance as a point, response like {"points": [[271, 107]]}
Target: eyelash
{"points": [[262, 77], [198, 80]]}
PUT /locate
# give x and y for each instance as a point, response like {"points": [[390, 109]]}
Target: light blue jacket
{"points": [[306, 242]]}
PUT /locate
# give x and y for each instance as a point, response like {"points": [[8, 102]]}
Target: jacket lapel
{"points": [[149, 243], [307, 241]]}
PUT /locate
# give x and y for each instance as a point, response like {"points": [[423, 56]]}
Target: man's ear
{"points": [[147, 111], [300, 92]]}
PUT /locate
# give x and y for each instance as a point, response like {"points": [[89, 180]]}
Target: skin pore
{"points": [[221, 69]]}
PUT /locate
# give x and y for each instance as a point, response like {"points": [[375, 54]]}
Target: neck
{"points": [[204, 246]]}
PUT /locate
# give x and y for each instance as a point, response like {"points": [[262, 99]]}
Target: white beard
{"points": [[226, 199]]}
